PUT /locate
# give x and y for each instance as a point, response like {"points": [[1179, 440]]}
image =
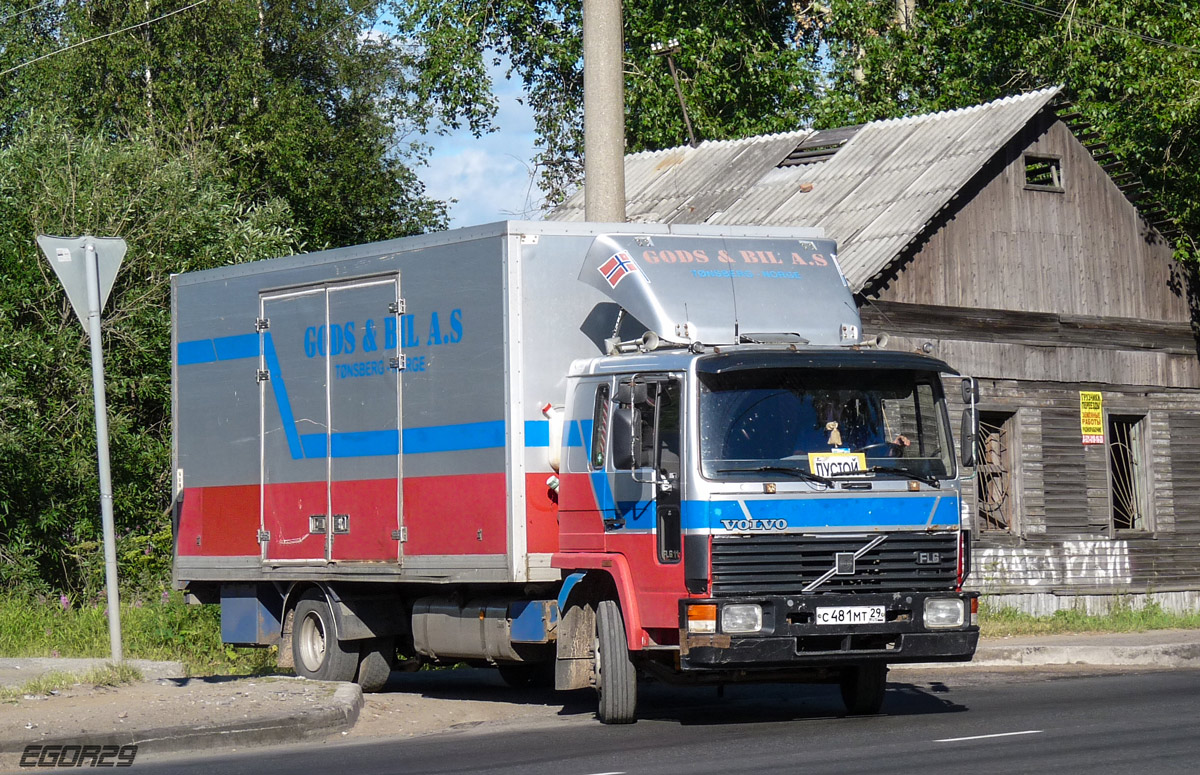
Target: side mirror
{"points": [[631, 392], [969, 435], [970, 420], [626, 429], [970, 391]]}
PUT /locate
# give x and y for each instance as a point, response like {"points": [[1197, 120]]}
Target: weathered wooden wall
{"points": [[1062, 539], [1082, 251]]}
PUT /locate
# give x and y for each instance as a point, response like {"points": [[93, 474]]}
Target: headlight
{"points": [[944, 612], [745, 617]]}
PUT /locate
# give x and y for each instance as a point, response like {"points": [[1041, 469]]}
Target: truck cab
{"points": [[769, 506]]}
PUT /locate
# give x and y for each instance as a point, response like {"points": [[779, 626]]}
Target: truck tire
{"points": [[616, 678], [316, 651], [375, 663], [863, 687]]}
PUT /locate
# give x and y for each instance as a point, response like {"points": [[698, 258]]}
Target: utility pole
{"points": [[669, 50], [603, 112]]}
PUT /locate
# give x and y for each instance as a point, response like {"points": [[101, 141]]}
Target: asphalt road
{"points": [[982, 722]]}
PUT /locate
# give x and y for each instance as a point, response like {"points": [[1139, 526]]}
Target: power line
{"points": [[146, 23], [1062, 16], [27, 10]]}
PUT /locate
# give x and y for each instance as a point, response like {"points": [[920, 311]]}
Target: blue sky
{"points": [[492, 177]]}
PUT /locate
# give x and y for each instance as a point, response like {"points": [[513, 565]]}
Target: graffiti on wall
{"points": [[1075, 563]]}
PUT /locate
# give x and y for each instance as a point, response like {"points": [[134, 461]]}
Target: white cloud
{"points": [[491, 177]]}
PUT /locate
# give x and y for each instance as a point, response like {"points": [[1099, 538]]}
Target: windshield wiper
{"points": [[799, 473], [932, 481]]}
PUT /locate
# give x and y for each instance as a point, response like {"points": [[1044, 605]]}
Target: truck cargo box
{"points": [[384, 412]]}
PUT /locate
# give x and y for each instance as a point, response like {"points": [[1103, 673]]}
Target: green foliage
{"points": [[233, 131], [300, 102], [1130, 67], [161, 628], [741, 66], [165, 197]]}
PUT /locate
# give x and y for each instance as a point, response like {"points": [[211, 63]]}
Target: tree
{"points": [[302, 101], [226, 132], [165, 196], [746, 67], [1129, 66]]}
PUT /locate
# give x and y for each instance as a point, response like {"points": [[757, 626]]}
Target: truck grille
{"points": [[779, 565]]}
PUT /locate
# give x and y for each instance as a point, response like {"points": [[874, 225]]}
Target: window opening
{"points": [[600, 428], [1126, 470], [1043, 173], [994, 471]]}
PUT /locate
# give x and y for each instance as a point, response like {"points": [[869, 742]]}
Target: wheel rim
{"points": [[598, 665], [312, 642]]}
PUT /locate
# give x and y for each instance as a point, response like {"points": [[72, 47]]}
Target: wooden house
{"points": [[1002, 239]]}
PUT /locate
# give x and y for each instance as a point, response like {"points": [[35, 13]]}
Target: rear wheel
{"points": [[863, 687], [316, 651], [616, 678], [375, 663]]}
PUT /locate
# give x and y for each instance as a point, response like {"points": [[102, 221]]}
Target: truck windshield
{"points": [[823, 421]]}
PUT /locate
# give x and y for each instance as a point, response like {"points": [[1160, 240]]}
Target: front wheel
{"points": [[863, 687], [616, 678], [316, 651]]}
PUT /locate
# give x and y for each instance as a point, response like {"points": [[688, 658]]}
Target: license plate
{"points": [[851, 614]]}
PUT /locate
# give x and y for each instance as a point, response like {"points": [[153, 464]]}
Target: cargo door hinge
{"points": [[262, 375], [396, 307], [398, 363], [261, 324], [400, 535], [264, 536]]}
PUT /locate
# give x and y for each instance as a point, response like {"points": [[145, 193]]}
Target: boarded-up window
{"points": [[1065, 471], [1127, 472], [1185, 471], [994, 471]]}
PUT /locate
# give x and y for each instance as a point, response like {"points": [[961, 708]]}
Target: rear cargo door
{"points": [[364, 428], [330, 393], [295, 424]]}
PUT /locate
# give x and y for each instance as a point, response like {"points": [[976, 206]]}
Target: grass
{"points": [[997, 622], [105, 675], [165, 628]]}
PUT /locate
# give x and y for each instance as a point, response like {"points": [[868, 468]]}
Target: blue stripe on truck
{"points": [[438, 438]]}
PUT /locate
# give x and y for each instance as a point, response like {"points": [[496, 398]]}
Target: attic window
{"points": [[1043, 173]]}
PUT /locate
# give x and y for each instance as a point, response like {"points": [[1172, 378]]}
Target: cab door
{"points": [[642, 520]]}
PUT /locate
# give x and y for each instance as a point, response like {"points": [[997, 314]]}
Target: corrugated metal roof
{"points": [[874, 195]]}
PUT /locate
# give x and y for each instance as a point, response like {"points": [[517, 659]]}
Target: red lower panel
{"points": [[659, 586], [371, 505], [286, 512], [219, 522], [541, 514], [456, 515]]}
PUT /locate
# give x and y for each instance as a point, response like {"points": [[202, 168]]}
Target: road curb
{"points": [[337, 714], [1166, 655]]}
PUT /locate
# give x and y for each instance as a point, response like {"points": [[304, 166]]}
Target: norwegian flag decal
{"points": [[616, 267]]}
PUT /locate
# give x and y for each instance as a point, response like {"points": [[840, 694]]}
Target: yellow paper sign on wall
{"points": [[1091, 417]]}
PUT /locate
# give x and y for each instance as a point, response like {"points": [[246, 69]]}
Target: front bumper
{"points": [[790, 636]]}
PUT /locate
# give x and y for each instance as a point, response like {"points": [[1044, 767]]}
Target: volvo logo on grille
{"points": [[844, 563]]}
